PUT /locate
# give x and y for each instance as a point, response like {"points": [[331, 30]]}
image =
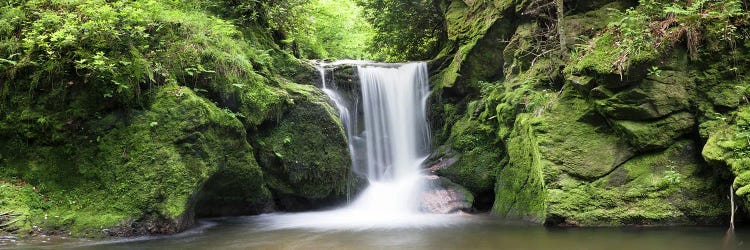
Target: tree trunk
{"points": [[561, 29]]}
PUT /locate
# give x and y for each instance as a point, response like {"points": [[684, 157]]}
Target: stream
{"points": [[472, 232]]}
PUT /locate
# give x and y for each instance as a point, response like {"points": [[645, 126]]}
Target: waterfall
{"points": [[396, 135], [395, 124], [393, 141]]}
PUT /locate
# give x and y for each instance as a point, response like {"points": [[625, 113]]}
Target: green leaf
{"points": [[8, 61]]}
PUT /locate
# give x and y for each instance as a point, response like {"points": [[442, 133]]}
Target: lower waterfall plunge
{"points": [[394, 143]]}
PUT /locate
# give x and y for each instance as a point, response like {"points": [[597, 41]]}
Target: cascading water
{"points": [[396, 136], [396, 140]]}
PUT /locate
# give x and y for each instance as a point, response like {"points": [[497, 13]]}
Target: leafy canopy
{"points": [[405, 30]]}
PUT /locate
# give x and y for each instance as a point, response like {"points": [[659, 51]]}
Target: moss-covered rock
{"points": [[184, 140], [669, 187], [472, 28], [304, 154], [659, 134], [159, 158], [655, 97], [480, 157], [578, 139], [590, 17], [603, 135], [520, 189]]}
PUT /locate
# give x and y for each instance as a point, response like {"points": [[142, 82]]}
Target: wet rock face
{"points": [[473, 171], [442, 196]]}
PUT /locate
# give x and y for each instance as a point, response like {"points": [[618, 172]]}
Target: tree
{"points": [[405, 30]]}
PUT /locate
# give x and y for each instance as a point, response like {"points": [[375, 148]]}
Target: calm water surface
{"points": [[476, 232]]}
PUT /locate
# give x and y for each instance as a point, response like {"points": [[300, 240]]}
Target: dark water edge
{"points": [[479, 232]]}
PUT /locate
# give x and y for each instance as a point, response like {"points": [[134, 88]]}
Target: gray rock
{"points": [[443, 196]]}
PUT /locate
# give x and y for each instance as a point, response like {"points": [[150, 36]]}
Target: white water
{"points": [[396, 137]]}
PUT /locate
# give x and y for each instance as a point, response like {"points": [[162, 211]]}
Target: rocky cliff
{"points": [[597, 115]]}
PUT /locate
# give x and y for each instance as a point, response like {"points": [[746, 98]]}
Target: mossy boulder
{"points": [[611, 64], [589, 17], [654, 97], [606, 134], [724, 93], [578, 139], [659, 134], [144, 172], [180, 143], [478, 162], [668, 187], [472, 28], [304, 154]]}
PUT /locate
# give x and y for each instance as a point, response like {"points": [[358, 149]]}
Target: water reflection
{"points": [[479, 232]]}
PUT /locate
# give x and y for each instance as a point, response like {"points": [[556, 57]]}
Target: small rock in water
{"points": [[7, 239], [443, 196]]}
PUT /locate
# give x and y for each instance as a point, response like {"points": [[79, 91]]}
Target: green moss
{"points": [[654, 97], [188, 138], [648, 135], [21, 202], [159, 159], [303, 158], [610, 134], [668, 187], [606, 57], [467, 26], [578, 140], [582, 26], [520, 190], [480, 157], [729, 146]]}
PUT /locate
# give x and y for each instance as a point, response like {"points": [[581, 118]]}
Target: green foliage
{"points": [[337, 30], [405, 30], [641, 34], [654, 71], [107, 99], [321, 29]]}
